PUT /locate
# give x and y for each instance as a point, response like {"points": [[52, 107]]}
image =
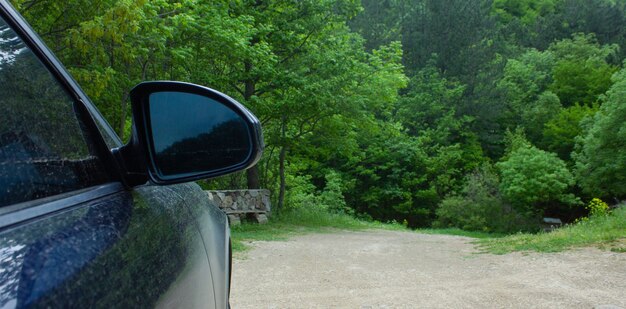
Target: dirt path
{"points": [[382, 269]]}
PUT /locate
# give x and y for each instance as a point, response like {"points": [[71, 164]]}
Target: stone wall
{"points": [[239, 204]]}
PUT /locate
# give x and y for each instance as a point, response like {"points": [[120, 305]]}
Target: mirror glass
{"points": [[194, 134]]}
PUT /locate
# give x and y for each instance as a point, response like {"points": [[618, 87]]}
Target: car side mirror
{"points": [[185, 132]]}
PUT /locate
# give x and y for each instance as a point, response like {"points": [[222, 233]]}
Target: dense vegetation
{"points": [[603, 230], [479, 114]]}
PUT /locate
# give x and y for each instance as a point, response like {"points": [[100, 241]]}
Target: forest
{"points": [[484, 115]]}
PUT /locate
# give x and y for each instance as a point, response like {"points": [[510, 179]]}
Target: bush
{"points": [[331, 197], [300, 193], [533, 180], [303, 194], [467, 214], [479, 207], [597, 208]]}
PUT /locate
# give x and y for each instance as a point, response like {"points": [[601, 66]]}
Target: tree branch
{"points": [[237, 89]]}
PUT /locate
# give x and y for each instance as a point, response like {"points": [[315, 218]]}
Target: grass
{"points": [[607, 232], [460, 232], [298, 223]]}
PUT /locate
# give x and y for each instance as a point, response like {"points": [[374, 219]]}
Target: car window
{"points": [[43, 147]]}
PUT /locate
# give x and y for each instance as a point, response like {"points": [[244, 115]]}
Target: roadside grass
{"points": [[606, 232], [305, 220], [460, 232]]}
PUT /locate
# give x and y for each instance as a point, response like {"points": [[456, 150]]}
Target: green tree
{"points": [[112, 45], [605, 18], [454, 30], [269, 73], [391, 178], [525, 10], [560, 132], [380, 22], [431, 103], [600, 155], [533, 180], [526, 77], [581, 72], [535, 117], [528, 102]]}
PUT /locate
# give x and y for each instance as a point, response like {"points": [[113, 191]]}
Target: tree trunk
{"points": [[281, 169], [253, 177], [250, 88], [281, 162], [122, 126]]}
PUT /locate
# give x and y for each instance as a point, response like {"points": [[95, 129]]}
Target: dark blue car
{"points": [[86, 221]]}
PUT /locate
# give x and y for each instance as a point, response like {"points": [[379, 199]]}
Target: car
{"points": [[87, 221]]}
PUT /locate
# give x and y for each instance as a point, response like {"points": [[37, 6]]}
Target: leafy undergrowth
{"points": [[607, 232], [300, 222]]}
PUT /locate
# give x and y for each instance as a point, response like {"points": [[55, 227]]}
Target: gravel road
{"points": [[384, 269]]}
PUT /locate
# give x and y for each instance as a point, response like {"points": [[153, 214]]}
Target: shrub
{"points": [[533, 180], [303, 194], [597, 208], [466, 214], [479, 207], [332, 197]]}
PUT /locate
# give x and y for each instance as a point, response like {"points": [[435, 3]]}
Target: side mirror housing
{"points": [[184, 132]]}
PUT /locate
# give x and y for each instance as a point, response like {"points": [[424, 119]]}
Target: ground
{"points": [[388, 269]]}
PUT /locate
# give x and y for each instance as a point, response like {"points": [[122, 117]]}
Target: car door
{"points": [[71, 235]]}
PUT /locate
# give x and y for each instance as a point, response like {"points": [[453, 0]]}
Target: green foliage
{"points": [[535, 118], [430, 104], [380, 21], [601, 151], [581, 72], [525, 78], [599, 231], [332, 196], [524, 83], [515, 140], [346, 130], [560, 132], [461, 46], [390, 179], [302, 193], [479, 207], [525, 10], [597, 207], [398, 177], [532, 180]]}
